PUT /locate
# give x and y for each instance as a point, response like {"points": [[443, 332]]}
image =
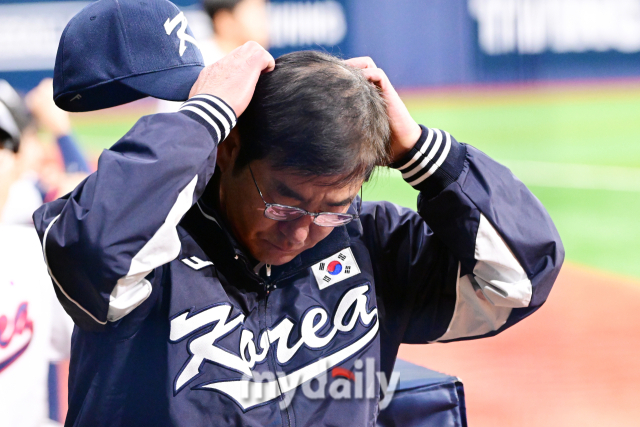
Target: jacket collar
{"points": [[205, 224]]}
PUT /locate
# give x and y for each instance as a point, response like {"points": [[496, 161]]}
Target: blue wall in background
{"points": [[420, 43], [439, 42], [436, 42]]}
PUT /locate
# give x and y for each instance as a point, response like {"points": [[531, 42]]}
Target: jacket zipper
{"points": [[268, 287]]}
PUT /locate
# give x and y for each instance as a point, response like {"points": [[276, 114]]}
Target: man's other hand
{"points": [[233, 78], [404, 130]]}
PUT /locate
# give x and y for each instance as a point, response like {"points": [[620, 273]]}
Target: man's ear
{"points": [[228, 151]]}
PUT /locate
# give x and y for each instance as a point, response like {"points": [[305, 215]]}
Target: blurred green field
{"points": [[577, 148]]}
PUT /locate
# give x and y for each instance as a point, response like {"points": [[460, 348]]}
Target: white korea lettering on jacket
{"points": [[203, 348]]}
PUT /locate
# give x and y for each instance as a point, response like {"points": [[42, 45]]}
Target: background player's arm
{"points": [[104, 242], [51, 118], [481, 254]]}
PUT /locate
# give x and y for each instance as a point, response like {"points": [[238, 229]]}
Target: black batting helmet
{"points": [[14, 117]]}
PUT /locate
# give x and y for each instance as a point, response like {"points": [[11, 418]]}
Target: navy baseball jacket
{"points": [[177, 327]]}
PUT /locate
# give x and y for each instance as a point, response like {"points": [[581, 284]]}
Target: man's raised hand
{"points": [[233, 78], [404, 130]]}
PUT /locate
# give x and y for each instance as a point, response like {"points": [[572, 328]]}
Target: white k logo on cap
{"points": [[336, 268], [170, 25]]}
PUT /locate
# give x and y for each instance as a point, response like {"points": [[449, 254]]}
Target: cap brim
{"points": [[173, 84]]}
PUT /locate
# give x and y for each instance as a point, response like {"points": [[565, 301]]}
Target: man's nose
{"points": [[297, 231]]}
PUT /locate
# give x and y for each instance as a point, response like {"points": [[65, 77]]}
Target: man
{"points": [[29, 174], [19, 196], [234, 23], [34, 329], [247, 284]]}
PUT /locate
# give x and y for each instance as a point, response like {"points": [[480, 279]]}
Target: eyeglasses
{"points": [[279, 212]]}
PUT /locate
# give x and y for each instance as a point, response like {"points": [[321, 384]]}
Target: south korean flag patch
{"points": [[336, 268]]}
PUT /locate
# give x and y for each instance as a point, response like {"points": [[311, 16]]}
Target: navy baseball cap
{"points": [[116, 51]]}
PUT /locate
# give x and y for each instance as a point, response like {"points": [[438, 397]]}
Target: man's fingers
{"points": [[271, 65], [233, 78], [258, 57], [371, 72], [378, 77], [362, 62], [268, 62]]}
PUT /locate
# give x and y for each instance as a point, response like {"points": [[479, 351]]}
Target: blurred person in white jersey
{"points": [[34, 329], [39, 171], [234, 23]]}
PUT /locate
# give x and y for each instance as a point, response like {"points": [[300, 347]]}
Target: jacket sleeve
{"points": [[480, 255], [105, 240]]}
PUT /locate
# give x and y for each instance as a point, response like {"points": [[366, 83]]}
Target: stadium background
{"points": [[551, 88]]}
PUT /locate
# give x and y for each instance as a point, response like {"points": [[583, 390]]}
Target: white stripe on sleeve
{"points": [[484, 299], [223, 107], [132, 289], [205, 116], [473, 315], [44, 251], [212, 111], [500, 276], [437, 164], [425, 160], [419, 154]]}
